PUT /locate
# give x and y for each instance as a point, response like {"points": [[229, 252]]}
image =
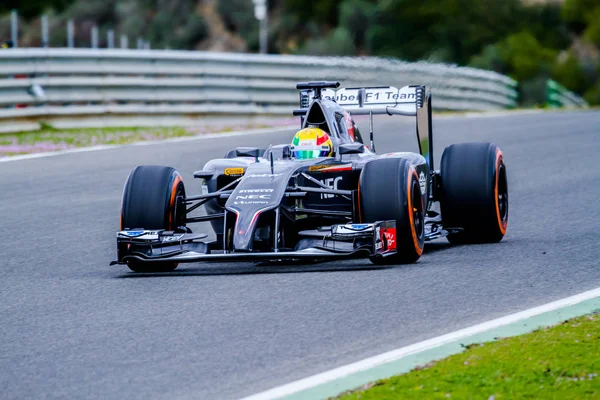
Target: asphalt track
{"points": [[73, 327]]}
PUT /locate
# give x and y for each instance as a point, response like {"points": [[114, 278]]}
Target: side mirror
{"points": [[247, 152], [203, 174], [287, 152], [351, 148], [279, 151]]}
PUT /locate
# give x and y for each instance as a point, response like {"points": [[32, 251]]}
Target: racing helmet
{"points": [[311, 143]]}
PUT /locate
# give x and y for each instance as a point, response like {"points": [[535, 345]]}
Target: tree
{"points": [[577, 13], [525, 56], [323, 12], [33, 8], [357, 17], [568, 72], [450, 30]]}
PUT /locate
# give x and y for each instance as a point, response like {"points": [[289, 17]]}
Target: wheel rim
{"points": [[179, 213], [417, 209], [502, 193]]}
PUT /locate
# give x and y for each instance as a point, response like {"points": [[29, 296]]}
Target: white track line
{"points": [[371, 362], [145, 143]]}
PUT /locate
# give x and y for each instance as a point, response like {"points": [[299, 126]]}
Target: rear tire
{"points": [[475, 192], [389, 190], [150, 201]]}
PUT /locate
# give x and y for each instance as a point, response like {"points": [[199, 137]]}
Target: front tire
{"points": [[153, 199], [389, 190], [475, 192]]}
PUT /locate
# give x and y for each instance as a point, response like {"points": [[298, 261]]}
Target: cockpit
{"points": [[333, 120]]}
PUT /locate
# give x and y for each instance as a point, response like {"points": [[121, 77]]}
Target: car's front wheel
{"points": [[153, 199], [389, 190]]}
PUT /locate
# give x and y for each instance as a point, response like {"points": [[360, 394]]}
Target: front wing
{"points": [[376, 239]]}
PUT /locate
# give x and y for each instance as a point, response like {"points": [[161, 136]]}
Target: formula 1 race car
{"points": [[273, 205]]}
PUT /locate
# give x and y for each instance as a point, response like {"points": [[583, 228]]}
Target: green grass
{"points": [[52, 139], [560, 362], [49, 139]]}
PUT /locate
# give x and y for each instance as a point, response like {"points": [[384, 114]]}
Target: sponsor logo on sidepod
{"points": [[234, 171], [331, 183]]}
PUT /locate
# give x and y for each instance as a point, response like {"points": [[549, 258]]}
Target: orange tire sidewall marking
{"points": [[123, 197], [359, 210], [172, 200], [501, 224], [411, 173]]}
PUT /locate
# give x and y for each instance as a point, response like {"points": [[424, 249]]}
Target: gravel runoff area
{"points": [[556, 362], [53, 139]]}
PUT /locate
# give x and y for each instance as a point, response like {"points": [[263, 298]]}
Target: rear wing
{"points": [[375, 100], [409, 101]]}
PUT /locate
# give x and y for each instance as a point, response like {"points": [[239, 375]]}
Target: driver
{"points": [[311, 143]]}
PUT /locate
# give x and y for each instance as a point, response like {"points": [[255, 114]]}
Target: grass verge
{"points": [[559, 362], [52, 139]]}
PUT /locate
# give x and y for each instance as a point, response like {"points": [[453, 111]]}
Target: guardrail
{"points": [[45, 83], [559, 96]]}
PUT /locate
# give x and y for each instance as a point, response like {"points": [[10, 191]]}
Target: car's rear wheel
{"points": [[475, 192], [389, 190], [153, 199]]}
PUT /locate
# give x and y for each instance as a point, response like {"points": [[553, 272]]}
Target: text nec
{"points": [[331, 183], [253, 197]]}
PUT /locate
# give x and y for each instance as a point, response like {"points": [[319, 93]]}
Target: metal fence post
{"points": [[264, 34], [70, 34], [110, 39], [14, 28], [124, 42], [260, 13], [94, 37], [45, 32]]}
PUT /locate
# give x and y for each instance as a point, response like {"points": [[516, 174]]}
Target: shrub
{"points": [[568, 72], [524, 56]]}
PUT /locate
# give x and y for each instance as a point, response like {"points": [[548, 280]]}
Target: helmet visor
{"points": [[308, 152]]}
